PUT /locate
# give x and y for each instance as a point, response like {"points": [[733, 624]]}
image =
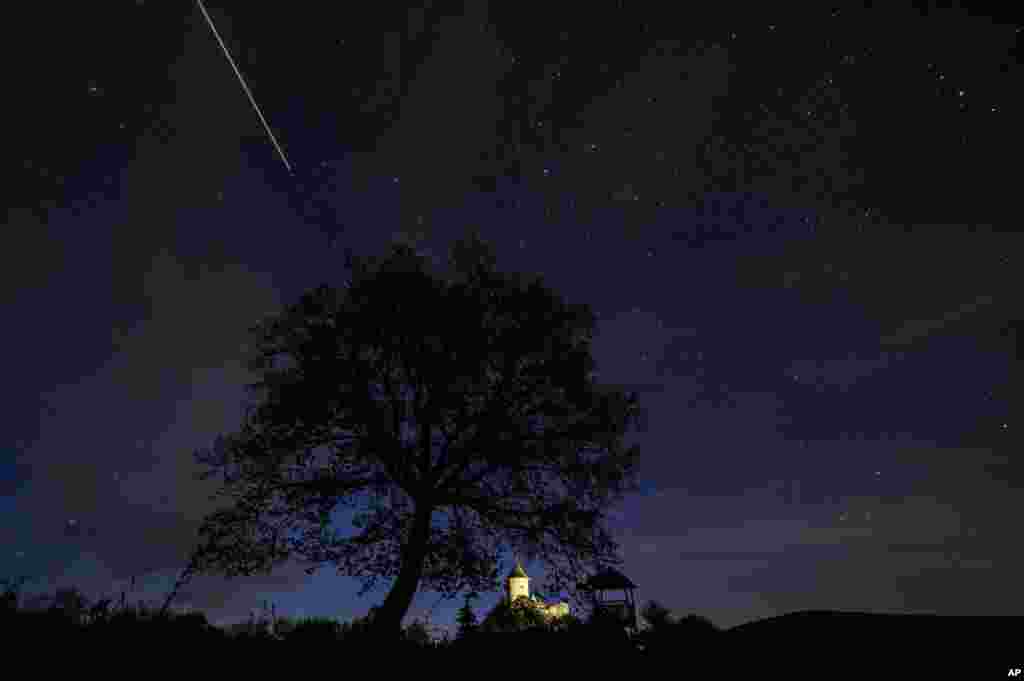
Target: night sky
{"points": [[799, 231]]}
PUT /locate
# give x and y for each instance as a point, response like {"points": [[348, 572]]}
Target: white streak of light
{"points": [[244, 86]]}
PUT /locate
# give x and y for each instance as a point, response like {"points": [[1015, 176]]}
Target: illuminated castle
{"points": [[518, 586]]}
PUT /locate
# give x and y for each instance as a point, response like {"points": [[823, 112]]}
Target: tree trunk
{"points": [[387, 623]]}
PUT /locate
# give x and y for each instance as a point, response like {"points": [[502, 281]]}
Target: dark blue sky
{"points": [[793, 228]]}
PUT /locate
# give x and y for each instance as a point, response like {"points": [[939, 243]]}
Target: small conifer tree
{"points": [[466, 619]]}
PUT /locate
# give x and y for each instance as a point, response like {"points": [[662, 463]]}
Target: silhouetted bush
{"points": [[692, 636], [657, 616], [319, 631]]}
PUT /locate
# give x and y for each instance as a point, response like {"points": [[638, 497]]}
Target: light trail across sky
{"points": [[244, 86]]}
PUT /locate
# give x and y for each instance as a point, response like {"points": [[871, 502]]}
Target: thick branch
{"points": [[487, 507], [328, 486]]}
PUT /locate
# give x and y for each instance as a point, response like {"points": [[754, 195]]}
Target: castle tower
{"points": [[518, 584]]}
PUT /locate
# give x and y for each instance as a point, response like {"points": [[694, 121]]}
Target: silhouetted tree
{"points": [[466, 619], [657, 616], [71, 604], [11, 593], [470, 395]]}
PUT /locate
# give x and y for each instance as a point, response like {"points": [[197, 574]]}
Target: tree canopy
{"points": [[416, 395]]}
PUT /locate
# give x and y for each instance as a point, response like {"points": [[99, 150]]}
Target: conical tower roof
{"points": [[518, 572]]}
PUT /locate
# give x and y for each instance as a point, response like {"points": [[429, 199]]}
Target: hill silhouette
{"points": [[877, 642]]}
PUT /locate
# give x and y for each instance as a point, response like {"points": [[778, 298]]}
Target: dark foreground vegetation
{"points": [[952, 647], [801, 645]]}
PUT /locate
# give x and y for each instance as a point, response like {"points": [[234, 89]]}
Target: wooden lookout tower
{"points": [[621, 609]]}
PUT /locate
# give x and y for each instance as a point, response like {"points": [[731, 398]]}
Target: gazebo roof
{"points": [[609, 578]]}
